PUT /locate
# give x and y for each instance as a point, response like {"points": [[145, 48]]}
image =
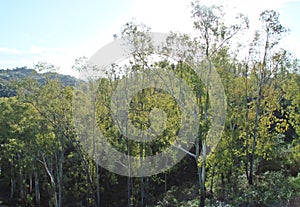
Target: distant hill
{"points": [[6, 76]]}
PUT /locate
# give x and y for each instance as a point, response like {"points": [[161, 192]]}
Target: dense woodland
{"points": [[256, 162]]}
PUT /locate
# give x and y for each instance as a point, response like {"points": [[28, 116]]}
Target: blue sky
{"points": [[60, 31], [56, 23]]}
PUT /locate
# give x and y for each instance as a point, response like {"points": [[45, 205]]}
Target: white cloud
{"points": [[164, 15], [31, 50], [9, 51], [11, 58]]}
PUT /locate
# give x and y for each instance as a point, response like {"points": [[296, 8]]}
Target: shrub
{"points": [[270, 188], [294, 183]]}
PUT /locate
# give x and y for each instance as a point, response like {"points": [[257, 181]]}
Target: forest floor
{"points": [[295, 202], [4, 194]]}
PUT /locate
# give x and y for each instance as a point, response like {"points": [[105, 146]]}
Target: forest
{"points": [[51, 155]]}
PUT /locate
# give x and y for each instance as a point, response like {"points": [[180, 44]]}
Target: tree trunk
{"points": [[37, 189], [12, 188], [165, 187], [60, 176], [98, 185], [30, 183], [201, 175], [141, 178], [128, 177], [246, 124], [212, 181], [21, 185], [52, 180], [255, 130], [202, 189], [128, 191]]}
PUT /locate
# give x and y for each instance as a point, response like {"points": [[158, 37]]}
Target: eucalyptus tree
{"points": [[53, 102], [262, 49], [214, 35], [26, 142]]}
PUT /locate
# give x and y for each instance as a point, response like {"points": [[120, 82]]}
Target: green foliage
{"points": [[43, 162], [270, 188], [8, 77], [294, 183], [177, 196]]}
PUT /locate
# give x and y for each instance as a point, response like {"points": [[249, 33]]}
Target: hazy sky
{"points": [[60, 31]]}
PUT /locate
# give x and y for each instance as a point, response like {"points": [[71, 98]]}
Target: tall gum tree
{"points": [[214, 35], [262, 49]]}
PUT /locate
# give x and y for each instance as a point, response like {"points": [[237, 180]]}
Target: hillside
{"points": [[7, 76]]}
